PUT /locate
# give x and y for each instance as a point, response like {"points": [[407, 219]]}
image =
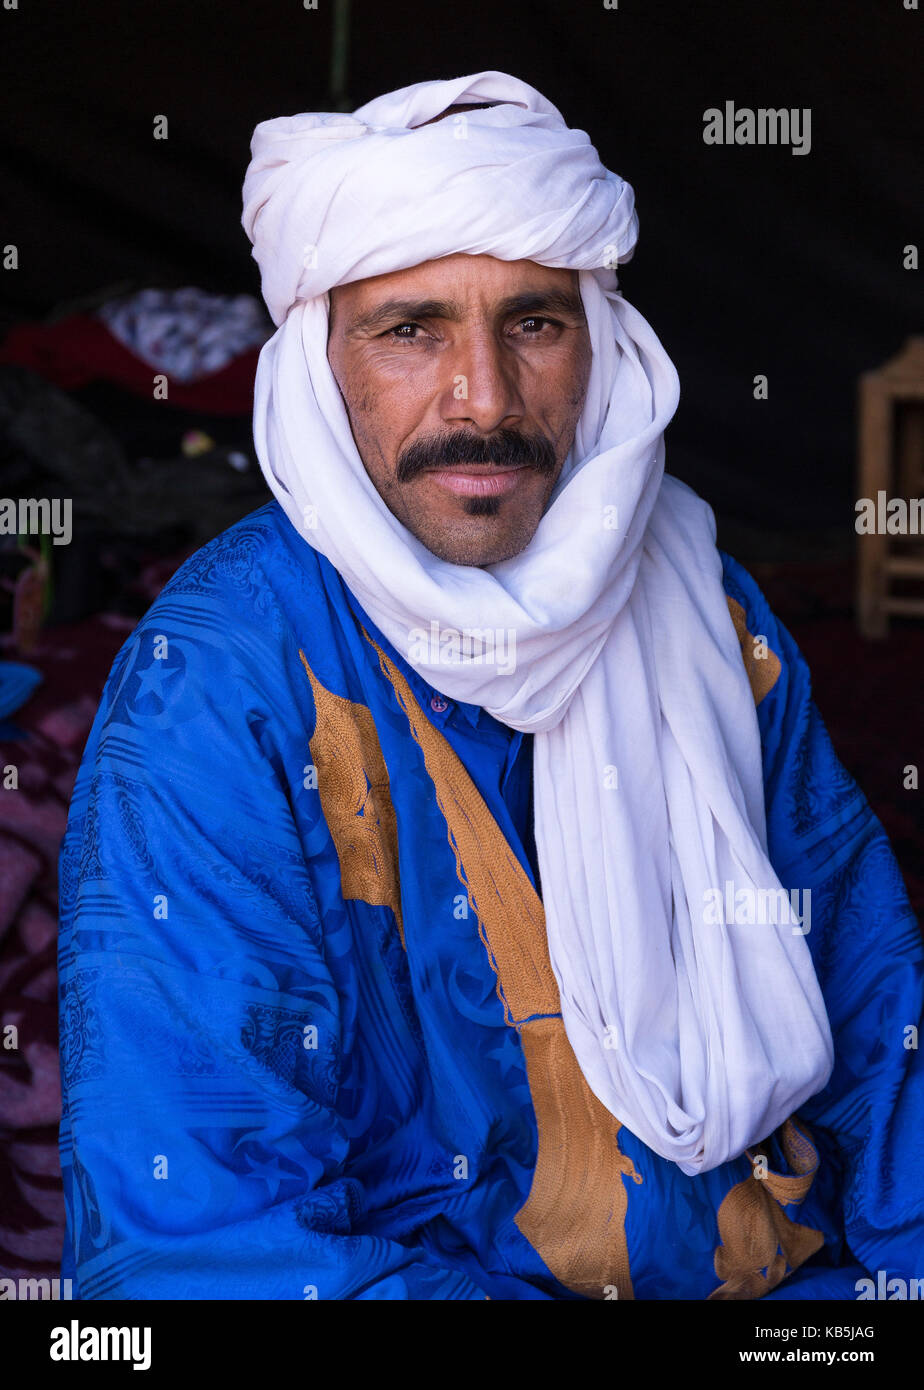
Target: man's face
{"points": [[464, 379]]}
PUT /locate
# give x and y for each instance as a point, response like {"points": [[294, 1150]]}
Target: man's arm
{"points": [[202, 1034], [867, 950]]}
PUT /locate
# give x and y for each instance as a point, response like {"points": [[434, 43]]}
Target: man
{"points": [[461, 897]]}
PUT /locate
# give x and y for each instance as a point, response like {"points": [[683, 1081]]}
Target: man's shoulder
{"points": [[238, 563], [217, 649], [255, 576], [231, 618], [742, 589], [770, 655]]}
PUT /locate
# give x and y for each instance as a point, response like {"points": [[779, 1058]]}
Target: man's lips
{"points": [[477, 479]]}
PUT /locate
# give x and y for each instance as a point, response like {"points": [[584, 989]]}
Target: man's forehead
{"points": [[458, 277]]}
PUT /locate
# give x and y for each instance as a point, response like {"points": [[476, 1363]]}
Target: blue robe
{"points": [[311, 1044]]}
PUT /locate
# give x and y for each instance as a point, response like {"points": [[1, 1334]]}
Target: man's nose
{"points": [[482, 386]]}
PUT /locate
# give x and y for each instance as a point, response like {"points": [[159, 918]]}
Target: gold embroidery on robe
{"points": [[574, 1216], [355, 798], [760, 1244], [763, 672]]}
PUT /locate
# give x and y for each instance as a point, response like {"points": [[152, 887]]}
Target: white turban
{"points": [[700, 1036], [514, 182]]}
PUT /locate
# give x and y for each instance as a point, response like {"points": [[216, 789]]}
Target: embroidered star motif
{"points": [[152, 679]]}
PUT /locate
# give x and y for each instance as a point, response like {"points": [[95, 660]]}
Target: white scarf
{"points": [[701, 1037]]}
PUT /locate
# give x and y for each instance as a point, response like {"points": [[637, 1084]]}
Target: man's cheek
{"points": [[362, 396]]}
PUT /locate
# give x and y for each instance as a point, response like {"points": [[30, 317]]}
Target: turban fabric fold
{"points": [[701, 1036]]}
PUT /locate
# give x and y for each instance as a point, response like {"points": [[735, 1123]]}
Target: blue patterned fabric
{"points": [[267, 1094]]}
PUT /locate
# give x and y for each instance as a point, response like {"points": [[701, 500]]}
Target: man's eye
{"points": [[398, 331], [534, 324]]}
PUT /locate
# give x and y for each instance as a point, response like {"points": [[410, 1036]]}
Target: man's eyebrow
{"points": [[544, 301], [395, 311]]}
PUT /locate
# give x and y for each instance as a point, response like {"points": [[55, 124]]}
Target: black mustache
{"points": [[507, 448]]}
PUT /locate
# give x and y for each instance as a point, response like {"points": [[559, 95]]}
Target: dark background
{"points": [[751, 259]]}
